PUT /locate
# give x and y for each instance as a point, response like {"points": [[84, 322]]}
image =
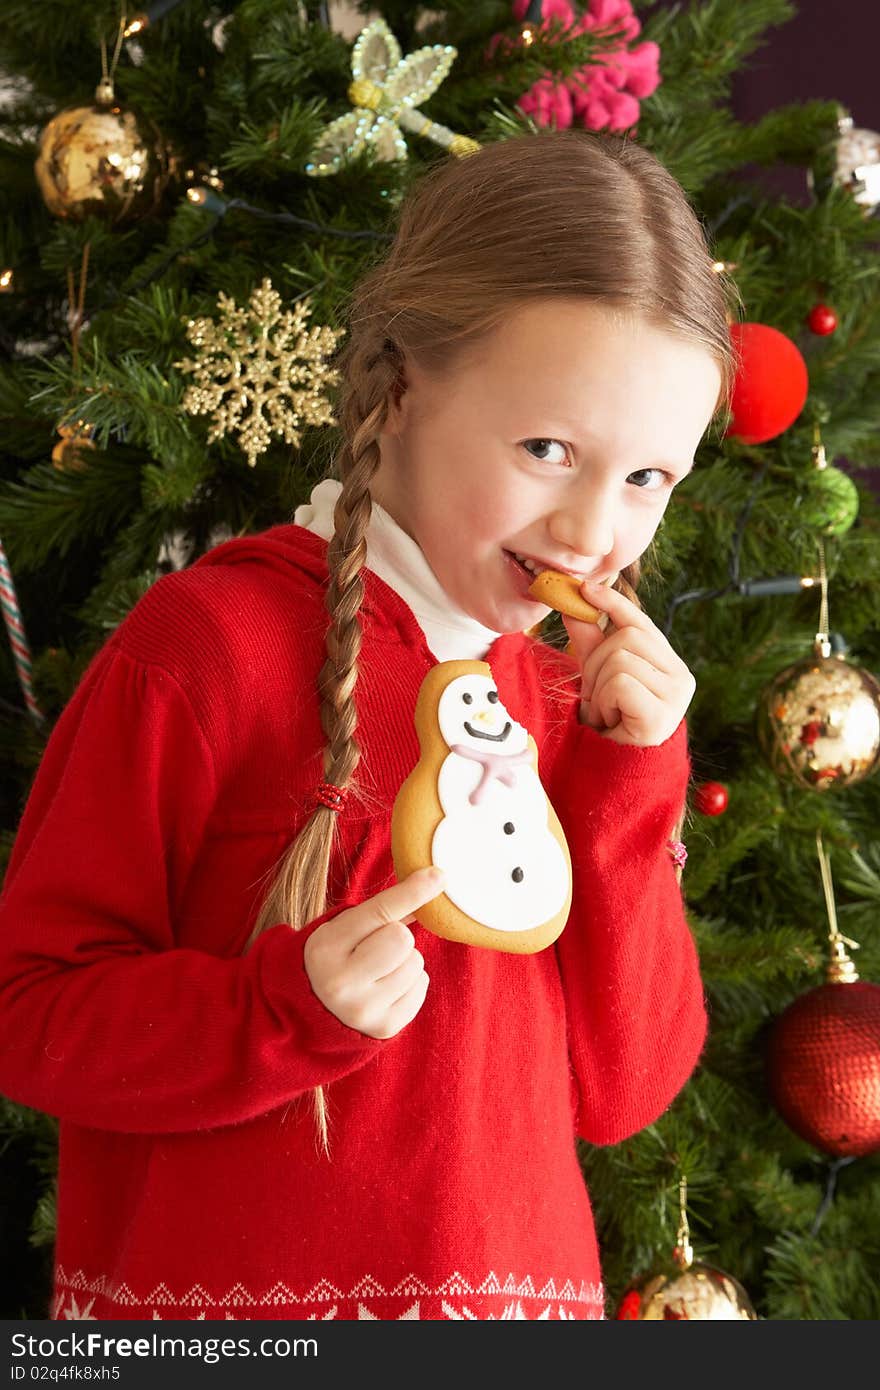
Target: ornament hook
{"points": [[840, 969], [105, 93], [822, 642], [684, 1251]]}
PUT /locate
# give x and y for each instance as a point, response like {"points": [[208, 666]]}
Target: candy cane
{"points": [[17, 638]]}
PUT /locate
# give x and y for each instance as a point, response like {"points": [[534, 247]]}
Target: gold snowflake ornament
{"points": [[260, 371]]}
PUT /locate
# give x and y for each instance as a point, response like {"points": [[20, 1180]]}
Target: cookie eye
{"points": [[468, 699], [492, 697]]}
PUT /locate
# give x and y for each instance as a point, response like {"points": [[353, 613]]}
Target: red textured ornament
{"points": [[822, 319], [823, 1068], [710, 798], [771, 383]]}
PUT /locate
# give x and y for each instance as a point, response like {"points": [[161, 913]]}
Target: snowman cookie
{"points": [[474, 806]]}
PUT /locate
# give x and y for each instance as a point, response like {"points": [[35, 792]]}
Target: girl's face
{"points": [[559, 440]]}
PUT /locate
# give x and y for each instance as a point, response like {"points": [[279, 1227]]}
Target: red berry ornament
{"points": [[711, 798], [770, 385], [630, 1306], [822, 319]]}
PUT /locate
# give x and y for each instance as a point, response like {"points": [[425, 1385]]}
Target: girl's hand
{"points": [[634, 687], [363, 964]]}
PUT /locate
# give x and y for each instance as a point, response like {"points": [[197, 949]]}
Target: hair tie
{"points": [[331, 797], [679, 853]]}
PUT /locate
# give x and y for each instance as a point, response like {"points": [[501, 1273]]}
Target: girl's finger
{"points": [[639, 644], [624, 700], [658, 683], [584, 638], [621, 610]]}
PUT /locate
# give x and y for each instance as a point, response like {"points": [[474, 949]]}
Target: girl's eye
{"points": [[538, 449], [642, 478]]}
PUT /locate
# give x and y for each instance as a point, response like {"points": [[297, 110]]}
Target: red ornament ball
{"points": [[710, 798], [770, 385], [823, 1068], [822, 319]]}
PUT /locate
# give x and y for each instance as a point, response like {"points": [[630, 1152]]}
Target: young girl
{"points": [[280, 1096]]}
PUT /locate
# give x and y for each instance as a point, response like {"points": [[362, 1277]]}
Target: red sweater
{"points": [[190, 1180]]}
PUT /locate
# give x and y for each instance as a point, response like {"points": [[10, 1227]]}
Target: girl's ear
{"points": [[398, 404]]}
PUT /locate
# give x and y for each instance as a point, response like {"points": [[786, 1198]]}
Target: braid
{"points": [[298, 893], [346, 555]]}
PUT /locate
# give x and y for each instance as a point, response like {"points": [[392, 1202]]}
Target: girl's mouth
{"points": [[522, 576]]}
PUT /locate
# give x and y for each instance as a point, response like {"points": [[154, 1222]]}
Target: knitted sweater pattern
{"points": [[181, 1067]]}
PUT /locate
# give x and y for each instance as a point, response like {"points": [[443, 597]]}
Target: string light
{"points": [[210, 201], [144, 18], [744, 588], [530, 21], [5, 282], [779, 584], [206, 198]]}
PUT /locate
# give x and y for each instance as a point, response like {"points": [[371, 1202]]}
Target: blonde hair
{"points": [[554, 214]]}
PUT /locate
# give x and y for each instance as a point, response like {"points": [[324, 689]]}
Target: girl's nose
{"points": [[587, 530]]}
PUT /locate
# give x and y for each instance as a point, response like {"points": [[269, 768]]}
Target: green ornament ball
{"points": [[831, 504]]}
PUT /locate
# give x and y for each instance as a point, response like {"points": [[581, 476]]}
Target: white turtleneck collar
{"points": [[397, 559]]}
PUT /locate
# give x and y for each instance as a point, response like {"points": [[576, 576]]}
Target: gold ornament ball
{"points": [[103, 161], [75, 437], [699, 1293], [818, 722]]}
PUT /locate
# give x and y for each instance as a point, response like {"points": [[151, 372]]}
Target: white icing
{"points": [[470, 843]]}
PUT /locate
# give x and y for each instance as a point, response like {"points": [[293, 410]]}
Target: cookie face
{"points": [[562, 592], [475, 807]]}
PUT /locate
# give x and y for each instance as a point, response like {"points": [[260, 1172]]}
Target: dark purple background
{"points": [[828, 52], [825, 52]]}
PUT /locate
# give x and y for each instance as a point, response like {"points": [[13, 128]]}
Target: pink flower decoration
{"points": [[606, 96], [614, 15], [640, 66], [598, 104], [605, 93], [549, 103]]}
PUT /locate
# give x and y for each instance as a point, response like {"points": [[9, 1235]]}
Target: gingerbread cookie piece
{"points": [[475, 807], [563, 592]]}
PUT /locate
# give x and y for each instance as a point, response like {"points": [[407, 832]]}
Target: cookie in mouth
{"points": [[563, 592]]}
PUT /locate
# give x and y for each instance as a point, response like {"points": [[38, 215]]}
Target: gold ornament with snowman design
{"points": [[474, 806]]}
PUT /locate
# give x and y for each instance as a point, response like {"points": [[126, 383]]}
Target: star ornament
{"points": [[259, 371], [386, 91]]}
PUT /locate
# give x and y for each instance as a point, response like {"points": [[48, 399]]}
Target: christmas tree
{"points": [[187, 197]]}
